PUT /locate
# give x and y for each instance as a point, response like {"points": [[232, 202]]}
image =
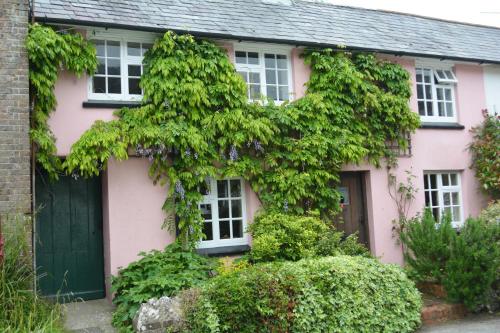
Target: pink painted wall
{"points": [[132, 205]]}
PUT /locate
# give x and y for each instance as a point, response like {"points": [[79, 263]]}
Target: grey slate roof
{"points": [[285, 21]]}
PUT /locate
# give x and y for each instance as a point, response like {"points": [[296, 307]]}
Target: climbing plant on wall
{"points": [[195, 122], [48, 53]]}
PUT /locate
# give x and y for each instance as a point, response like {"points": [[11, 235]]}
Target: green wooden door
{"points": [[68, 243]]}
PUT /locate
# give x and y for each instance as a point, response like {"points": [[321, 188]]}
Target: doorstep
{"points": [[437, 310]]}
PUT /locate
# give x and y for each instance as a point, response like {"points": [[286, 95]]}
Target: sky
{"points": [[485, 12]]}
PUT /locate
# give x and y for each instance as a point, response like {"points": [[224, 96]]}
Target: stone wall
{"points": [[15, 187]]}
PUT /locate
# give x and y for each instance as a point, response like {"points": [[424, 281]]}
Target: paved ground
{"points": [[89, 317], [471, 324]]}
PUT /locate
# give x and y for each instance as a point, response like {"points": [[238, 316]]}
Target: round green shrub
{"points": [[331, 294], [280, 236], [156, 274]]}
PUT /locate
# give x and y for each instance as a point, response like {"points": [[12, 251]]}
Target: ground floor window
{"points": [[443, 195], [223, 208]]}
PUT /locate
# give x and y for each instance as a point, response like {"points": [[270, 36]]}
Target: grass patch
{"points": [[22, 309]]}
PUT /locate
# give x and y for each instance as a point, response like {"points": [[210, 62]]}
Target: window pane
{"points": [[283, 77], [237, 229], [449, 75], [113, 49], [99, 85], [440, 109], [270, 61], [113, 66], [146, 47], [133, 87], [114, 85], [430, 111], [439, 92], [101, 65], [253, 58], [244, 75], [428, 92], [254, 91], [435, 213], [427, 76], [222, 189], [241, 57], [99, 46], [434, 198], [270, 76], [281, 60], [445, 179], [235, 188], [453, 178], [223, 209], [419, 76], [454, 198], [426, 182], [134, 49], [456, 214], [207, 230], [283, 90], [420, 91], [447, 211], [206, 211], [433, 181], [447, 94], [440, 74], [224, 230], [272, 93], [446, 199], [254, 77], [427, 199], [449, 109], [134, 70], [236, 208], [421, 108]]}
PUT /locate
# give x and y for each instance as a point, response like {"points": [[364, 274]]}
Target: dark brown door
{"points": [[354, 207]]}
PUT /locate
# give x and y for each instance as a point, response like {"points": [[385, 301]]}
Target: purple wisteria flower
{"points": [[179, 189], [233, 153]]}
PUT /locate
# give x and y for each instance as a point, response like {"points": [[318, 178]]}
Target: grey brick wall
{"points": [[15, 187]]}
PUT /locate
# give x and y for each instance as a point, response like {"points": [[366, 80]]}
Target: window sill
{"points": [[224, 250], [438, 125], [106, 104]]}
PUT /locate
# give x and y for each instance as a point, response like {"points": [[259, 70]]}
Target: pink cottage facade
{"points": [[449, 92]]}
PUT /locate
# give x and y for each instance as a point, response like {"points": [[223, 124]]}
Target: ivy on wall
{"points": [[195, 122], [49, 52]]}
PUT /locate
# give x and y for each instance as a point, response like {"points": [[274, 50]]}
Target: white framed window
{"points": [[436, 94], [223, 208], [443, 195], [119, 66], [266, 70]]}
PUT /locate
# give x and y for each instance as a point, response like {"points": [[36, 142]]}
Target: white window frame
{"points": [[442, 189], [123, 37], [213, 199], [262, 49], [443, 83]]}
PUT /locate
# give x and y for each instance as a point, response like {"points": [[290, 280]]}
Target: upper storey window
{"points": [[267, 73], [119, 69], [436, 94]]}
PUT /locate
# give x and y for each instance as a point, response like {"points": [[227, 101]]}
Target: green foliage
{"points": [[485, 156], [474, 264], [427, 246], [196, 122], [22, 309], [156, 274], [48, 53], [491, 214], [279, 236], [332, 294]]}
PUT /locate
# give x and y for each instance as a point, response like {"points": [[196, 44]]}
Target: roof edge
{"points": [[45, 19]]}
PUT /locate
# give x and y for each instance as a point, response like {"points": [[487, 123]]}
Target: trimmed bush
{"points": [[332, 294], [279, 236], [156, 274], [474, 264], [427, 247]]}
